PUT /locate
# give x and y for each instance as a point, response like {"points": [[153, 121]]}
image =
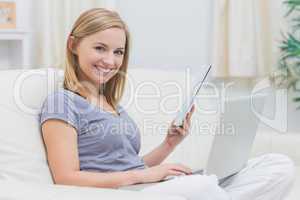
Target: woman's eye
{"points": [[119, 52], [99, 48]]}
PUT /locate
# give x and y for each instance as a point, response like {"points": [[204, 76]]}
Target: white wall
{"points": [[15, 52], [176, 34], [168, 34]]}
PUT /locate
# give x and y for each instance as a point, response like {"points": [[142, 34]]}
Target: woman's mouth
{"points": [[101, 70]]}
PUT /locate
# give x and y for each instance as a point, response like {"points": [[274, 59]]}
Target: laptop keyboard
{"points": [[199, 171]]}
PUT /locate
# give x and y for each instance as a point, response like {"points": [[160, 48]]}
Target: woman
{"points": [[83, 127]]}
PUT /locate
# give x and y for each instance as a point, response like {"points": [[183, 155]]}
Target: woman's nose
{"points": [[109, 59]]}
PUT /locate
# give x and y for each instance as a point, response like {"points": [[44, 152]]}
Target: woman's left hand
{"points": [[177, 134]]}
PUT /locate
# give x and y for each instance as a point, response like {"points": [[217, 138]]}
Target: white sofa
{"points": [[24, 173]]}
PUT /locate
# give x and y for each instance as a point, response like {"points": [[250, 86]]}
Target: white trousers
{"points": [[268, 177]]}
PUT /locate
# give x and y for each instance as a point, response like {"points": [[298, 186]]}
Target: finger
{"points": [[193, 108], [182, 168], [178, 167], [181, 130], [186, 169], [188, 115], [172, 123], [172, 172], [185, 125], [188, 118], [173, 127]]}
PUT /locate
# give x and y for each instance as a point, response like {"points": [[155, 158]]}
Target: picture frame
{"points": [[7, 15]]}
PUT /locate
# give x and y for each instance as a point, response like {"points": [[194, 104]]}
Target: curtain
{"points": [[52, 22], [246, 36]]}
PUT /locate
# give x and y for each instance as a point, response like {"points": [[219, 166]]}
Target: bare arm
{"points": [[158, 155], [62, 153], [174, 136]]}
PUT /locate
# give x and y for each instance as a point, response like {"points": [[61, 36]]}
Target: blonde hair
{"points": [[88, 23]]}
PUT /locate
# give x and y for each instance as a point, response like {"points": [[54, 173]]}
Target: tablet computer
{"points": [[187, 105]]}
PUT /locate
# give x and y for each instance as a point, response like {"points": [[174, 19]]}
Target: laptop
{"points": [[229, 151]]}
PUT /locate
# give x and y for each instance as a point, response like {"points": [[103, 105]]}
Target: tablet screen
{"points": [[189, 103]]}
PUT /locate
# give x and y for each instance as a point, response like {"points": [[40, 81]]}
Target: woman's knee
{"points": [[280, 166], [210, 188], [192, 187]]}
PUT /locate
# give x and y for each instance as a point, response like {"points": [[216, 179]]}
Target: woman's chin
{"points": [[101, 81]]}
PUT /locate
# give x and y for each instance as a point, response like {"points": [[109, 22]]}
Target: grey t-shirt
{"points": [[106, 142]]}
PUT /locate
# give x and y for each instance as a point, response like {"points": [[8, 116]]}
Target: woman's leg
{"points": [[192, 187], [268, 177]]}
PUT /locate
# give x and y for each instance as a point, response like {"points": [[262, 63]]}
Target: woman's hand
{"points": [[177, 134], [159, 172]]}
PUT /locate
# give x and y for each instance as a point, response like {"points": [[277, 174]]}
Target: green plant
{"points": [[289, 62]]}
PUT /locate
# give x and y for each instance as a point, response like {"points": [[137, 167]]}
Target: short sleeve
{"points": [[60, 105]]}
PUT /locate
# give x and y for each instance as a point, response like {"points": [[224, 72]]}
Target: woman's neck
{"points": [[93, 89]]}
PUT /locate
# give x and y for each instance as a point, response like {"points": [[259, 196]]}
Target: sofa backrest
{"points": [[22, 154], [151, 98]]}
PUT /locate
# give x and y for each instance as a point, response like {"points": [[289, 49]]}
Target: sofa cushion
{"points": [[35, 191]]}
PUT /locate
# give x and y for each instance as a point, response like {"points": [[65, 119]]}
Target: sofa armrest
{"points": [[34, 191]]}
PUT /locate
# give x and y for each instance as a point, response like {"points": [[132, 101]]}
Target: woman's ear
{"points": [[71, 44]]}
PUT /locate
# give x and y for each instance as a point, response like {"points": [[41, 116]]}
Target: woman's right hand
{"points": [[160, 172]]}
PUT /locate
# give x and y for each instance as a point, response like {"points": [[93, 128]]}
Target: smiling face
{"points": [[100, 56]]}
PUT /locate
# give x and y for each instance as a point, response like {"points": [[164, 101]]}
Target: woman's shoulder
{"points": [[61, 94], [60, 105], [60, 97]]}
